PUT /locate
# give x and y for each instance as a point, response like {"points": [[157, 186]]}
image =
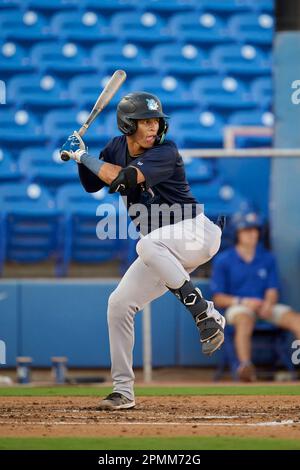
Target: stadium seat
{"points": [[139, 28], [84, 90], [171, 91], [225, 7], [129, 57], [60, 124], [21, 26], [81, 27], [252, 28], [198, 169], [67, 59], [37, 92], [79, 240], [18, 128], [165, 7], [9, 4], [182, 61], [31, 222], [240, 60], [203, 28], [224, 93], [262, 91], [198, 129], [50, 6], [219, 198], [9, 170], [45, 167], [252, 118], [108, 7], [13, 59]]}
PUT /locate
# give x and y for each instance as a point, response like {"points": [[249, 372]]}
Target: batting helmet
{"points": [[140, 105]]}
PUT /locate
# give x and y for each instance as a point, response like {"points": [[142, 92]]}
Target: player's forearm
{"points": [[225, 300], [108, 172]]}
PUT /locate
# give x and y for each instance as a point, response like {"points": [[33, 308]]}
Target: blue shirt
{"points": [[233, 276], [165, 180]]}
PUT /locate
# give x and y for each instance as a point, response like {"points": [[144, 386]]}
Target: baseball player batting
{"points": [[147, 169]]}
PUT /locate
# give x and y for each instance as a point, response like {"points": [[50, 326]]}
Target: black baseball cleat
{"points": [[116, 401], [211, 326]]}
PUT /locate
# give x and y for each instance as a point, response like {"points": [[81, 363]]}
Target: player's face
{"points": [[248, 237], [146, 133]]}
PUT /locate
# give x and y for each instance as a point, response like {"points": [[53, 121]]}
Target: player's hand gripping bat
{"points": [[104, 98]]}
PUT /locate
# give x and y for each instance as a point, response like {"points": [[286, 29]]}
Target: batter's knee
{"points": [[147, 249], [119, 307]]}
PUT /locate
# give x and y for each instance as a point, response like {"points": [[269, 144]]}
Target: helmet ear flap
{"points": [[162, 130]]}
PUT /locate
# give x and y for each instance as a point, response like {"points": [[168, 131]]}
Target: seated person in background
{"points": [[245, 284]]}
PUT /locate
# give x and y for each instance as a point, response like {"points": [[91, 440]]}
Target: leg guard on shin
{"points": [[209, 322]]}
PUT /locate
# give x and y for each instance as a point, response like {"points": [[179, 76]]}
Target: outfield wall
{"points": [[44, 318]]}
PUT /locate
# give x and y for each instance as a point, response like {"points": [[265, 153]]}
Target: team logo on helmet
{"points": [[152, 104]]}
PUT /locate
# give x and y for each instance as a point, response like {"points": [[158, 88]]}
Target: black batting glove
{"points": [[126, 179]]}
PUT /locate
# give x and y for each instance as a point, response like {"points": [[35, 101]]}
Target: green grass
{"points": [[145, 443], [153, 391]]}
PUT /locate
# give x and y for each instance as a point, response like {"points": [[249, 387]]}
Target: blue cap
{"points": [[246, 220]]}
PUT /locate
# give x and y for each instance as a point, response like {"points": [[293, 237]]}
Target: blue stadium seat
{"points": [[49, 6], [129, 57], [180, 60], [31, 222], [108, 7], [262, 91], [21, 26], [84, 90], [67, 59], [9, 170], [81, 27], [60, 124], [225, 93], [252, 118], [252, 28], [167, 8], [79, 240], [18, 128], [198, 169], [9, 4], [36, 91], [202, 28], [198, 129], [240, 60], [139, 28], [13, 59], [44, 166], [265, 6], [219, 198], [227, 6], [171, 91]]}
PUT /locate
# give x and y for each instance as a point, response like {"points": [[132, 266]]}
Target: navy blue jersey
{"points": [[165, 182]]}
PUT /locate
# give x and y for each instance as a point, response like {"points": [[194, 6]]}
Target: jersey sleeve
{"points": [[157, 164], [218, 284], [273, 279], [89, 180]]}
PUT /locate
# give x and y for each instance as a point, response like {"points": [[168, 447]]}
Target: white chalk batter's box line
{"points": [[146, 423]]}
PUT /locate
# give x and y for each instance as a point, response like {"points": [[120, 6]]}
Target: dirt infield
{"points": [[245, 416]]}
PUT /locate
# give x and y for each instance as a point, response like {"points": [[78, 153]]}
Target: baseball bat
{"points": [[103, 99]]}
